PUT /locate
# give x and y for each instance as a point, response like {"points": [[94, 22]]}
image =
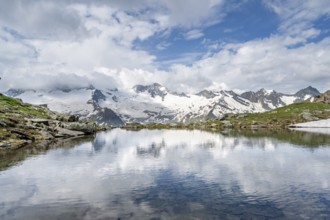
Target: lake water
{"points": [[171, 174]]}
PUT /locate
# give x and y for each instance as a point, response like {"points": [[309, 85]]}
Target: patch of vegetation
{"points": [[278, 118], [13, 107]]}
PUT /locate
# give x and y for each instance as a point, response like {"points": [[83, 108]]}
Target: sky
{"points": [[186, 46]]}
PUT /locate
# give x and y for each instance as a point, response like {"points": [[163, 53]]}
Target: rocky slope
{"points": [[22, 123], [283, 117], [270, 99], [322, 98], [156, 104]]}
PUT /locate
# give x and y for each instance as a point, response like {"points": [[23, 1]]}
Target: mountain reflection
{"points": [[172, 174]]}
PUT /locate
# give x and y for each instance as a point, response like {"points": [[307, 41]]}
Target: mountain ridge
{"points": [[156, 103]]}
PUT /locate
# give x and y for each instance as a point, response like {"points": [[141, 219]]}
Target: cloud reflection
{"points": [[124, 173]]}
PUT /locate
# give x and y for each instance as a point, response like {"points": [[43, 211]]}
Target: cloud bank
{"points": [[46, 43]]}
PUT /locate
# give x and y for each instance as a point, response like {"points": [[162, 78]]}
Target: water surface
{"points": [[173, 174]]}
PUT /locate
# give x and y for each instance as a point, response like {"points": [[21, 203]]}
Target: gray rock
{"points": [[66, 133], [40, 121], [227, 124], [86, 128], [46, 135], [308, 116], [3, 124], [323, 98], [4, 144], [256, 126]]}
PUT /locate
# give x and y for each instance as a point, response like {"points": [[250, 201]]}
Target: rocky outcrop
{"points": [[21, 124], [323, 98]]}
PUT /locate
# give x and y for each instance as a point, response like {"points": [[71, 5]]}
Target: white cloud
{"points": [[193, 34], [162, 46], [95, 41], [267, 63], [297, 16], [52, 37], [192, 13]]}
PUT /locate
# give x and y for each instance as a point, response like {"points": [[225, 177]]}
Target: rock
{"points": [[46, 135], [3, 124], [13, 120], [22, 134], [256, 126], [4, 144], [66, 133], [43, 105], [86, 128], [318, 112], [323, 98], [67, 118], [40, 121], [308, 116], [227, 124], [73, 118], [19, 127], [213, 125]]}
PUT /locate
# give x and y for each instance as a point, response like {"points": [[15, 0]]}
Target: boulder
{"points": [[86, 128], [306, 115], [67, 118], [66, 133], [323, 98]]}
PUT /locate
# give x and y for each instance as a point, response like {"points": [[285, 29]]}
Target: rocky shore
{"points": [[22, 124]]}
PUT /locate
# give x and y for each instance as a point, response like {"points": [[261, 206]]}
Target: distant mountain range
{"points": [[156, 103]]}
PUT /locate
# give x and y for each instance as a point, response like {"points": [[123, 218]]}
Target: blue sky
{"points": [[250, 21], [185, 45]]}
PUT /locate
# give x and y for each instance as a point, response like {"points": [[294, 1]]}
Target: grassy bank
{"points": [[275, 119]]}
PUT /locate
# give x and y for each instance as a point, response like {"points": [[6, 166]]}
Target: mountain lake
{"points": [[170, 174]]}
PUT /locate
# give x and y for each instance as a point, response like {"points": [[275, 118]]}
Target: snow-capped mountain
{"points": [[270, 99], [155, 103]]}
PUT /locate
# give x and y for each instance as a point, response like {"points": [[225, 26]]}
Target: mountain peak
{"points": [[311, 91], [154, 89], [207, 94], [265, 91], [156, 85]]}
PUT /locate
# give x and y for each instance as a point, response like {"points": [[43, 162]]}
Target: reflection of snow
{"points": [[127, 161], [315, 124], [314, 130]]}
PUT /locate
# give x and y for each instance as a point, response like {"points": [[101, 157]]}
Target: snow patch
{"points": [[288, 99]]}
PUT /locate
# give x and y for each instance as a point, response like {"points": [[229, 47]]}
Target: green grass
{"points": [[13, 107], [292, 111], [280, 117]]}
